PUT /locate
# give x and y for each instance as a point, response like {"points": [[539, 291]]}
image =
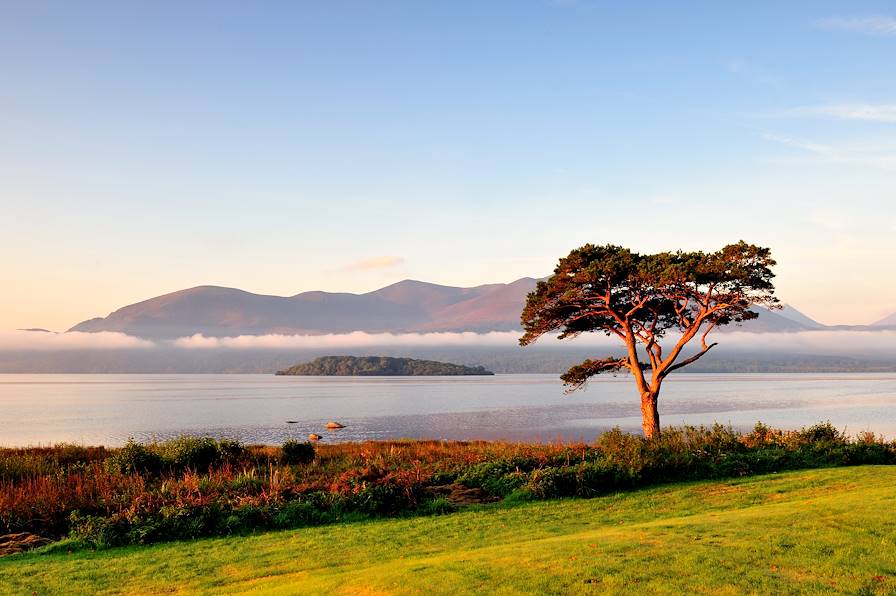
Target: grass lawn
{"points": [[819, 531]]}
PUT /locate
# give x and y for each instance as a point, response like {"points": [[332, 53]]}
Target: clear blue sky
{"points": [[281, 147]]}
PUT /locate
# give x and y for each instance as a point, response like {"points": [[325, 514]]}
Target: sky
{"points": [[280, 147]]}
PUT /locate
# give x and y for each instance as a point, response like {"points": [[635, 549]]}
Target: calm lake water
{"points": [[107, 409]]}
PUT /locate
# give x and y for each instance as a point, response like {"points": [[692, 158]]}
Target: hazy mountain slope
{"points": [[216, 311], [886, 321], [429, 297], [789, 312], [768, 322], [496, 308], [406, 306]]}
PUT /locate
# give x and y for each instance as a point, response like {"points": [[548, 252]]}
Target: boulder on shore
{"points": [[11, 544]]}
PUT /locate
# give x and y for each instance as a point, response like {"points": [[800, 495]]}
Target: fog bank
{"points": [[809, 351]]}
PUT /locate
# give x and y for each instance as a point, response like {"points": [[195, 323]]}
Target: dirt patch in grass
{"points": [[720, 489]]}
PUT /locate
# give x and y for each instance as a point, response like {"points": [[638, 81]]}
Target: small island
{"points": [[379, 366]]}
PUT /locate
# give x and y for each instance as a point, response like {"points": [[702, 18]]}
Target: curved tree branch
{"points": [[687, 361]]}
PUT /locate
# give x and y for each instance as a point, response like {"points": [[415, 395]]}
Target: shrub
{"points": [[231, 450], [379, 498], [193, 453], [98, 531], [134, 458], [548, 483], [67, 454], [297, 452], [824, 432], [762, 435], [620, 447], [375, 491], [296, 514], [176, 455], [498, 478], [600, 477]]}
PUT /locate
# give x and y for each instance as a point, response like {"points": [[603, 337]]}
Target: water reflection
{"points": [[107, 409]]}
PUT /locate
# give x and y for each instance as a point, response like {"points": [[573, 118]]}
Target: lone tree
{"points": [[639, 299]]}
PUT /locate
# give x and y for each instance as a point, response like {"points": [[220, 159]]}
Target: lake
{"points": [[107, 409]]}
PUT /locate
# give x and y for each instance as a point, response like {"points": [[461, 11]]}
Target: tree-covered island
{"points": [[383, 366]]}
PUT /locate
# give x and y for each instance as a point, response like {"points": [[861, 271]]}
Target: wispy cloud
{"points": [[867, 25], [382, 262], [843, 111], [881, 343], [796, 143], [875, 157], [42, 341]]}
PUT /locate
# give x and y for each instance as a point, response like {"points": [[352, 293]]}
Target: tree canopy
{"points": [[641, 298]]}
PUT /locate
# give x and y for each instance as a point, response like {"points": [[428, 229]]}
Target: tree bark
{"points": [[650, 415]]}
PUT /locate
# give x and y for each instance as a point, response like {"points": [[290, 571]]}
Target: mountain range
{"points": [[408, 306], [403, 307]]}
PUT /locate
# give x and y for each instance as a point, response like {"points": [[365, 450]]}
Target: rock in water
{"points": [[314, 437], [334, 425]]}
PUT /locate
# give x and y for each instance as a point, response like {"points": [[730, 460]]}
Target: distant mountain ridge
{"points": [[409, 306], [405, 307], [792, 314]]}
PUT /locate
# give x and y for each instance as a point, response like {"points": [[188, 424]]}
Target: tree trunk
{"points": [[650, 415]]}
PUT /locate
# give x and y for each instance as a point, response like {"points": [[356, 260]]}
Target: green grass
{"points": [[819, 531]]}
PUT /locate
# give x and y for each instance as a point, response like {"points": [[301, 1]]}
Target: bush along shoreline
{"points": [[197, 486]]}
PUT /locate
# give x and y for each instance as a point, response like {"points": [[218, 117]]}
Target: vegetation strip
{"points": [[819, 531], [193, 487]]}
